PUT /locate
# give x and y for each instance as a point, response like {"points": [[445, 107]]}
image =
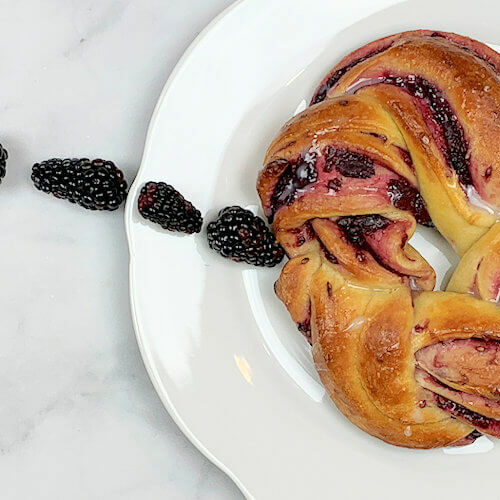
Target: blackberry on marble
{"points": [[3, 161], [92, 184]]}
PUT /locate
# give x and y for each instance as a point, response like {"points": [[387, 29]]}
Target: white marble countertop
{"points": [[79, 417]]}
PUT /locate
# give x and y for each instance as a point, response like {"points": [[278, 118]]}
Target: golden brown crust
{"points": [[340, 183], [338, 351]]}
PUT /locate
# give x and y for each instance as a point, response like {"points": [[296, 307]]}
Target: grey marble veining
{"points": [[79, 418]]}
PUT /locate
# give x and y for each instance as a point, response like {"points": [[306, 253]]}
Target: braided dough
{"points": [[404, 130]]}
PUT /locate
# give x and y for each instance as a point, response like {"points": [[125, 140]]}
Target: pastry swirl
{"points": [[402, 131]]}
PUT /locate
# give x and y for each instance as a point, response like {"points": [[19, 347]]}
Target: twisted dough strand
{"points": [[403, 130]]}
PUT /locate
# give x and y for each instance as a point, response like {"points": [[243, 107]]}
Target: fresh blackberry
{"points": [[96, 184], [3, 161], [243, 237], [163, 204]]}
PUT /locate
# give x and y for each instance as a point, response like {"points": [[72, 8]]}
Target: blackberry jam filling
{"points": [[349, 163], [382, 137], [475, 434], [405, 156], [305, 329], [334, 184], [490, 425], [455, 148], [303, 172], [450, 133], [356, 227], [322, 91], [328, 256], [469, 439], [297, 175], [305, 326], [405, 197]]}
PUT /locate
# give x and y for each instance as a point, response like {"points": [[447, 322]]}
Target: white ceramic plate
{"points": [[223, 354]]}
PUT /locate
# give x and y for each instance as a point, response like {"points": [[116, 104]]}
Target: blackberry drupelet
{"points": [[161, 203], [243, 237], [3, 161], [95, 185]]}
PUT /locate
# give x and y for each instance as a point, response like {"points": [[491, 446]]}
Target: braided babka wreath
{"points": [[404, 130]]}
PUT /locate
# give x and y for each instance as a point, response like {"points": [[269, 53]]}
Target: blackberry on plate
{"points": [[3, 161], [162, 203], [93, 184], [240, 235]]}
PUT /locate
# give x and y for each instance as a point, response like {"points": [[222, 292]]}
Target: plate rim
{"points": [[129, 206]]}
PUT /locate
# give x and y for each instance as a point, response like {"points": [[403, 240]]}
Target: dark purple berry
{"points": [[239, 235], [3, 161], [163, 204], [95, 185]]}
